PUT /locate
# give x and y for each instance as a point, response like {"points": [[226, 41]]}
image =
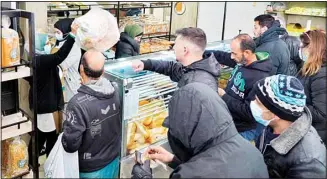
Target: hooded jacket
{"points": [[204, 140], [204, 71], [315, 88], [127, 46], [70, 65], [93, 126], [239, 92], [278, 52], [298, 152]]}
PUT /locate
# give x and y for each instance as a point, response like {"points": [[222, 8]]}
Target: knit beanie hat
{"points": [[133, 30], [283, 95]]}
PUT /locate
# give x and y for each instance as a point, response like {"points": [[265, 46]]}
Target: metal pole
{"points": [[34, 66], [117, 12], [224, 20], [170, 19]]}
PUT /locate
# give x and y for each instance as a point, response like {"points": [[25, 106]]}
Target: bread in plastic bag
{"points": [[17, 159], [10, 54], [98, 29]]}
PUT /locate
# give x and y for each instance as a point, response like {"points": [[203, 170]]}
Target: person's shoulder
{"points": [[310, 147]]}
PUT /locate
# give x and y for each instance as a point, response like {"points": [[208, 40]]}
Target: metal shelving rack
{"points": [[118, 7], [21, 123]]}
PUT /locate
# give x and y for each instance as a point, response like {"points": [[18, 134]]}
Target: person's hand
{"points": [[74, 28], [159, 153], [137, 65], [142, 170], [221, 92]]}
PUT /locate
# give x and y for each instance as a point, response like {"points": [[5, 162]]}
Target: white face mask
{"points": [[59, 36]]}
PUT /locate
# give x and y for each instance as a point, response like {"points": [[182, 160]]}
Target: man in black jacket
{"points": [[267, 31], [291, 147], [204, 140], [191, 66], [93, 126], [249, 67]]}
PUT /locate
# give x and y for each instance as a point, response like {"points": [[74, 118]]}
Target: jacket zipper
{"points": [[262, 139]]}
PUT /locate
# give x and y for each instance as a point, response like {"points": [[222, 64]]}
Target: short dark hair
{"points": [[246, 42], [194, 35], [265, 20], [90, 72]]}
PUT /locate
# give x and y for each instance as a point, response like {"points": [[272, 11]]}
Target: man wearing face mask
{"points": [[204, 140], [249, 67], [191, 65], [266, 32], [70, 65], [129, 43], [291, 147]]}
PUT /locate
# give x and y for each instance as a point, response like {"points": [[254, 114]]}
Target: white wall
{"points": [[240, 15], [210, 19]]}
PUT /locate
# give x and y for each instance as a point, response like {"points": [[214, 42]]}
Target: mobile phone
{"points": [[138, 156]]}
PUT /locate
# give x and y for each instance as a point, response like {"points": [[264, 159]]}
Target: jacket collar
{"points": [[292, 135]]}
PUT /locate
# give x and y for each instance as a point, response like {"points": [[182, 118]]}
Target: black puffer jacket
{"points": [[204, 139], [93, 125], [126, 46], [278, 52], [315, 88], [204, 71], [298, 152], [293, 43]]}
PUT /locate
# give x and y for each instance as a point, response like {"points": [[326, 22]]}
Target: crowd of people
{"points": [[269, 122]]}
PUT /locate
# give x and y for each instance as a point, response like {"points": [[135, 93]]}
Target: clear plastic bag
{"points": [[17, 158], [10, 54], [98, 29]]}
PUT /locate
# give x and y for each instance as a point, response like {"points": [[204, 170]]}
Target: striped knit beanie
{"points": [[283, 95]]}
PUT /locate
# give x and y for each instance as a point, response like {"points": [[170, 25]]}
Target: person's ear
{"points": [[246, 53]]}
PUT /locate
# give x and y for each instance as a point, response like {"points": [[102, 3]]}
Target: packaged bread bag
{"points": [[17, 158], [10, 54]]}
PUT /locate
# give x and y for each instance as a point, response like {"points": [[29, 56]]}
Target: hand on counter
{"points": [[142, 170], [221, 92], [137, 65], [159, 153]]}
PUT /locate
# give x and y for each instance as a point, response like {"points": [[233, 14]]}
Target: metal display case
{"points": [[144, 99]]}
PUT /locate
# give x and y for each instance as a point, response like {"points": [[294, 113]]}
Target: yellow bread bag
{"points": [[17, 158], [10, 54]]}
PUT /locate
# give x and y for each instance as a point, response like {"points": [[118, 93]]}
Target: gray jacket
{"points": [[298, 152], [205, 71], [93, 125]]}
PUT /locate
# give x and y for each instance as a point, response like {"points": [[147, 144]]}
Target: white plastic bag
{"points": [[98, 29], [61, 164]]}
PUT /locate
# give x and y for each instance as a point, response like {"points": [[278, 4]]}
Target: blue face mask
{"points": [[257, 114], [302, 55]]}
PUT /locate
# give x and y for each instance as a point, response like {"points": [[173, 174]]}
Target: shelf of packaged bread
{"points": [[14, 125], [295, 14], [22, 71]]}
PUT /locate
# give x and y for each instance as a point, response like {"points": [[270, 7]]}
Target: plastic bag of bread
{"points": [[4, 157], [17, 158], [10, 54], [98, 29]]}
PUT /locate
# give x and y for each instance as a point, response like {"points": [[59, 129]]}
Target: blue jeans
{"points": [[109, 171], [252, 135]]}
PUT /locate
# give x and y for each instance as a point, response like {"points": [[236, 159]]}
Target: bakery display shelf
{"points": [[14, 131], [16, 71], [305, 15], [14, 119], [28, 174], [24, 175]]}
